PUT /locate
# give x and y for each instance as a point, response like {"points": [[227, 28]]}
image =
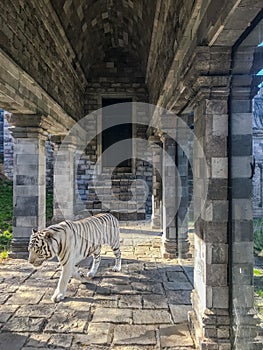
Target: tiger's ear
{"points": [[34, 230], [48, 234]]}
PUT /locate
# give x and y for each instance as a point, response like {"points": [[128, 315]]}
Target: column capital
{"points": [[167, 140], [29, 126], [64, 141], [211, 88]]}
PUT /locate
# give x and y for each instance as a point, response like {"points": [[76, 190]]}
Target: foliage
{"points": [[259, 292], [258, 272], [258, 235], [4, 255], [6, 205], [5, 240], [49, 206]]}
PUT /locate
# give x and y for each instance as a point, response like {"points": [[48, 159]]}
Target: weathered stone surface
{"points": [[99, 333], [134, 347], [6, 311], [151, 317], [68, 322], [12, 341], [154, 301], [81, 341], [36, 340], [176, 335], [130, 301], [60, 340], [26, 296], [179, 297], [180, 313], [35, 311], [112, 315], [137, 335], [24, 324]]}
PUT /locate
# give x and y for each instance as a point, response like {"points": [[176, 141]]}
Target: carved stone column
{"points": [[157, 181], [182, 138], [210, 298], [64, 178], [29, 194], [169, 199], [244, 320]]}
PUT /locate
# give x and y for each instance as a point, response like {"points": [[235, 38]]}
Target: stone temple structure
{"points": [[198, 60]]}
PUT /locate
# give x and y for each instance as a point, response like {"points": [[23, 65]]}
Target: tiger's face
{"points": [[39, 248]]}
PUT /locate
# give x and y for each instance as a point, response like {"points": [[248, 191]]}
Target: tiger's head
{"points": [[40, 247]]}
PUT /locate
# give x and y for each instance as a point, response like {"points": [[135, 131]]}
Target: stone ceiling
{"points": [[109, 37]]}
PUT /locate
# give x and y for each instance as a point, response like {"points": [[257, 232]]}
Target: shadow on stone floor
{"points": [[143, 307]]}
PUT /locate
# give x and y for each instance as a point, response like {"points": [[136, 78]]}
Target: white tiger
{"points": [[73, 241]]}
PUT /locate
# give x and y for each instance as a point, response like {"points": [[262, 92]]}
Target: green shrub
{"points": [[5, 240], [49, 206], [258, 235], [6, 205]]}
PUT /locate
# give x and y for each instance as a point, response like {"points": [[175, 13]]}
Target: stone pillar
{"points": [[29, 194], [244, 321], [182, 138], [210, 297], [157, 170], [64, 178], [169, 198]]}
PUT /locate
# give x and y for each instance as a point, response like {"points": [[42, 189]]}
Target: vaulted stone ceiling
{"points": [[109, 37]]}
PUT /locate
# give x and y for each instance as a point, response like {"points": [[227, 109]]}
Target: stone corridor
{"points": [[145, 306]]}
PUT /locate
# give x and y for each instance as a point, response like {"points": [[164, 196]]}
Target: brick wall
{"points": [[86, 166], [31, 37], [172, 18]]}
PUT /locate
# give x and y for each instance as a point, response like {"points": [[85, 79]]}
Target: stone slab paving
{"points": [[143, 307]]}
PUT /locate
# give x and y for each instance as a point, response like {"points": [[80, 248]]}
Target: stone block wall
{"points": [[171, 18], [122, 181], [122, 32], [31, 36]]}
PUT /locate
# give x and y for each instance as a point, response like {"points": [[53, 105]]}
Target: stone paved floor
{"points": [[143, 307]]}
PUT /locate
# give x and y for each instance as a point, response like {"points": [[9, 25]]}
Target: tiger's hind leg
{"points": [[117, 253], [95, 263]]}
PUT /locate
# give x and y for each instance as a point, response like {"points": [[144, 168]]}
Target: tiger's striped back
{"points": [[97, 229]]}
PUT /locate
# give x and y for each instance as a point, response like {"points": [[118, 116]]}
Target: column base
{"points": [[184, 250], [210, 327], [19, 247], [169, 249]]}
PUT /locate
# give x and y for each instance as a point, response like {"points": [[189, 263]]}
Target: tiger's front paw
{"points": [[57, 296], [116, 268], [91, 274]]}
